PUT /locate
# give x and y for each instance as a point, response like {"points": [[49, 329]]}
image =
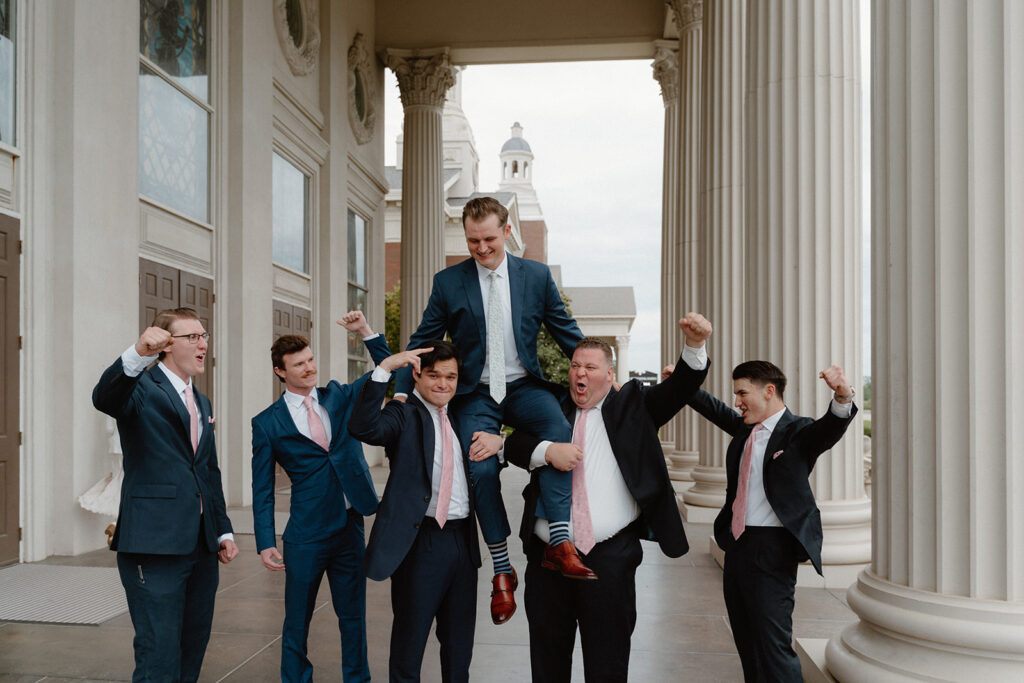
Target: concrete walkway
{"points": [[682, 632]]}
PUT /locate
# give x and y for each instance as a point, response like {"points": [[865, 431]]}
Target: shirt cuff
{"points": [[132, 363], [372, 336], [697, 359], [841, 410], [381, 375], [226, 537], [538, 457], [400, 394]]}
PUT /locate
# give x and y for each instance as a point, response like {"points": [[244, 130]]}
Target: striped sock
{"points": [[559, 533], [499, 556]]}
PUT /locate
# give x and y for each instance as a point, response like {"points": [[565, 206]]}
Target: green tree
{"points": [[393, 318]]}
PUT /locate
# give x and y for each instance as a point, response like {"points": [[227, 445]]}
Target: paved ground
{"points": [[682, 632]]}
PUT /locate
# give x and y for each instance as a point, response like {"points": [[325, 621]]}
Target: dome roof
{"points": [[516, 143]]}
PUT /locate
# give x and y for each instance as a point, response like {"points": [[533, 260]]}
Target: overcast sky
{"points": [[596, 132]]}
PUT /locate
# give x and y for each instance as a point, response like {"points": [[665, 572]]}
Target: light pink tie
{"points": [[739, 505], [582, 525], [316, 425], [444, 493], [193, 418]]}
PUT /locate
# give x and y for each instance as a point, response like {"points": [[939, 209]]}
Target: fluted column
{"points": [[721, 235], [685, 280], [803, 236], [943, 598], [424, 76], [622, 358]]}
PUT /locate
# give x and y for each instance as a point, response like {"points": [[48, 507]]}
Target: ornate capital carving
{"points": [[298, 31], [666, 70], [423, 76], [362, 91], [688, 14]]}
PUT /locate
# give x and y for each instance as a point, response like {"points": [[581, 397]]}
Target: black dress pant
{"points": [[604, 610], [759, 583], [437, 578]]}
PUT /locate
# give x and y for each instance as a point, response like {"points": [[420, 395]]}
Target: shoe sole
{"points": [[554, 567]]}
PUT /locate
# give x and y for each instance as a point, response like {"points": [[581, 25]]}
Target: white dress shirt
{"points": [[513, 367], [458, 504], [612, 506], [133, 364]]}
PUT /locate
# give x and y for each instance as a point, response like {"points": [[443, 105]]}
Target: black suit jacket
{"points": [[407, 433], [631, 417], [793, 448], [163, 479]]}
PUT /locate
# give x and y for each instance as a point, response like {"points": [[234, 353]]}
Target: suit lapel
{"points": [[161, 380], [516, 293], [327, 401], [428, 434], [474, 297], [780, 435]]}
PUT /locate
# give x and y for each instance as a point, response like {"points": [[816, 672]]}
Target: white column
{"points": [[622, 358], [666, 72], [721, 238], [424, 76], [803, 237], [943, 598], [686, 247]]}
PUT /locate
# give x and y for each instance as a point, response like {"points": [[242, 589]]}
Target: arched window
{"points": [[515, 169]]}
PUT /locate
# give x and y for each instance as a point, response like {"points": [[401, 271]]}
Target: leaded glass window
{"points": [[291, 215], [174, 110], [357, 290], [7, 65]]}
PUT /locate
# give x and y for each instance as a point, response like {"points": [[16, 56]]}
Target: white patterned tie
{"points": [[495, 341]]}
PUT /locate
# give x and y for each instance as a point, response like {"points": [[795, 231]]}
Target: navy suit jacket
{"points": [[456, 307], [632, 417], [793, 449], [318, 477], [163, 480], [407, 433]]}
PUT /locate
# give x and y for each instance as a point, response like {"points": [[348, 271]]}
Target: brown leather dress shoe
{"points": [[564, 559], [503, 599]]}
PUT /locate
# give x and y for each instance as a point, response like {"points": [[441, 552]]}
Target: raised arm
{"points": [[667, 398], [433, 325], [826, 431], [560, 325], [369, 422], [114, 392]]}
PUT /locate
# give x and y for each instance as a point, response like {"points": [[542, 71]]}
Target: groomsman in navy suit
{"points": [[305, 431], [172, 525], [493, 306]]}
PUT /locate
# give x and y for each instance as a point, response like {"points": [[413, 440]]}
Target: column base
{"points": [[846, 525], [708, 488], [811, 652], [682, 464], [909, 633]]}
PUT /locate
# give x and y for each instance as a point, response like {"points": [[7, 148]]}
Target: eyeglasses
{"points": [[192, 338]]}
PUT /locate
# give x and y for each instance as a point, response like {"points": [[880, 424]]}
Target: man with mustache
{"points": [[305, 431], [172, 526]]}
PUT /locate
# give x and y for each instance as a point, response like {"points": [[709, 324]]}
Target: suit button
{"points": [[426, 499], [416, 525]]}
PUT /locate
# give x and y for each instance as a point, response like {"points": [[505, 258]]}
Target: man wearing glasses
{"points": [[173, 525]]}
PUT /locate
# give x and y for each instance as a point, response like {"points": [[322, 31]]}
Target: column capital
{"points": [[687, 13], [424, 76], [622, 340], [666, 69]]}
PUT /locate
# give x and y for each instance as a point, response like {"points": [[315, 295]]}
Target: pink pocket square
{"points": [[776, 454]]}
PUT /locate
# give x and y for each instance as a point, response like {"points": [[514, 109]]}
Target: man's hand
{"points": [[836, 381], [407, 357], [272, 559], [667, 371], [696, 328], [228, 551], [564, 456], [485, 445], [355, 321], [152, 341]]}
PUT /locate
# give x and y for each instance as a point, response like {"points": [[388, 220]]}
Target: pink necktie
{"points": [[582, 525], [444, 493], [316, 425], [739, 505], [193, 418]]}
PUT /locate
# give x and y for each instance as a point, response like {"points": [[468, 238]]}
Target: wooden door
{"points": [[197, 293], [10, 344]]}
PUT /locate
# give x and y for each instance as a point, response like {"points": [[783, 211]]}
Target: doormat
{"points": [[54, 594]]}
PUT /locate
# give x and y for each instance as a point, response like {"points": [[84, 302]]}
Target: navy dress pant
{"points": [[528, 405], [340, 557], [170, 600], [436, 580]]}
